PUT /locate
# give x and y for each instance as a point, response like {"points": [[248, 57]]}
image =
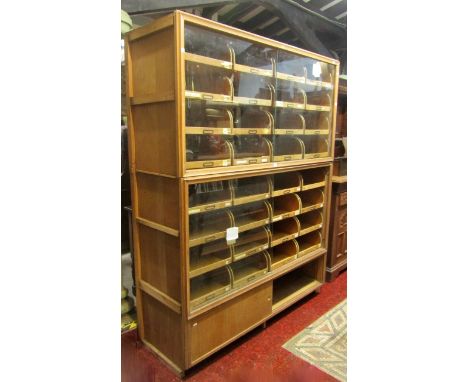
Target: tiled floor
{"points": [[258, 356]]}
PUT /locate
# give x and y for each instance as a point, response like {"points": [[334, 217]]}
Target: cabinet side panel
{"points": [[154, 64], [155, 137], [160, 261], [158, 200], [163, 329]]}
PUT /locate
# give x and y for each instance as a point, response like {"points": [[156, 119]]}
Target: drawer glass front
{"points": [[258, 104], [240, 229]]}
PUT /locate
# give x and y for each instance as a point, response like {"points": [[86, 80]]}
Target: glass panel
{"points": [[315, 121], [209, 196], [253, 120], [208, 82], [287, 148], [204, 151], [208, 286], [248, 270], [250, 189], [251, 89], [251, 149], [290, 94], [206, 257], [251, 242], [315, 146], [204, 42], [289, 122], [251, 215], [209, 226], [290, 66], [283, 254], [253, 58], [207, 118]]}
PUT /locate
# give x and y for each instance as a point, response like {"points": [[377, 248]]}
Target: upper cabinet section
{"points": [[214, 99], [248, 103]]}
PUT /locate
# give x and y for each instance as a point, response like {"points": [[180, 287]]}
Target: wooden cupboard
{"points": [[231, 143]]}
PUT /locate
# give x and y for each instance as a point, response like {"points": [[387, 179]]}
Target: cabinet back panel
{"points": [[160, 261], [155, 137], [158, 199]]}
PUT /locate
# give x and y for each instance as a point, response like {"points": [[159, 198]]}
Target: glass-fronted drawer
{"points": [[309, 242], [283, 254], [251, 215], [311, 199], [208, 286], [250, 89], [250, 242], [287, 148], [289, 122], [206, 118], [250, 189], [317, 122], [286, 183], [316, 146], [209, 226], [251, 149], [291, 67], [285, 206], [313, 178], [209, 256], [206, 151], [253, 121], [290, 94], [204, 45], [208, 82], [284, 230], [310, 221], [249, 269], [209, 196], [253, 58]]}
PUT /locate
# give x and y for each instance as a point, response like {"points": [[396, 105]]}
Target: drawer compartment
{"points": [[224, 323]]}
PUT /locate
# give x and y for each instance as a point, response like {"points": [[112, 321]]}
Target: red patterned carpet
{"points": [[256, 357]]}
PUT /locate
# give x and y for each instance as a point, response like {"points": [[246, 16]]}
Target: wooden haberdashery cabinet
{"points": [[231, 145]]}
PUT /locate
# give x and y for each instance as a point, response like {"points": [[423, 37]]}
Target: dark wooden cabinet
{"points": [[337, 250]]}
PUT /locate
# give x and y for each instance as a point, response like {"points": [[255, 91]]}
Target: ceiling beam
{"points": [[147, 6]]}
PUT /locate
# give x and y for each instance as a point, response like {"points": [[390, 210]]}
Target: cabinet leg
{"points": [[264, 325], [318, 290]]}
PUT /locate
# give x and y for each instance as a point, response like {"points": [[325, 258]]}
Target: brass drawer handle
{"points": [[208, 131], [252, 131], [212, 207], [287, 158], [206, 96], [286, 192], [253, 101], [251, 278], [252, 161], [289, 132], [208, 164], [210, 238]]}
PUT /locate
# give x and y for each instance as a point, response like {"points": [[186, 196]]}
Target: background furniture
{"points": [[337, 252], [231, 141]]}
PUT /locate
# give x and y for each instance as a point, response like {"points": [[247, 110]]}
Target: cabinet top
{"points": [[178, 18]]}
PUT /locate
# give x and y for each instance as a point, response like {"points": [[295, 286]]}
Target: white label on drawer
{"points": [[225, 131], [192, 94], [227, 204], [264, 160], [232, 234], [275, 164], [241, 161], [194, 211], [316, 69], [226, 162]]}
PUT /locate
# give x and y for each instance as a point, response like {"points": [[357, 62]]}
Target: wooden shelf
{"points": [[207, 61], [340, 179], [291, 291]]}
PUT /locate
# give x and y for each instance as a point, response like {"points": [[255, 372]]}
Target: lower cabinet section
{"points": [[217, 327]]}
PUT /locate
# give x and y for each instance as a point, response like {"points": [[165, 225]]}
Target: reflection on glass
{"points": [[209, 196], [203, 151], [251, 149], [206, 257], [249, 269]]}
